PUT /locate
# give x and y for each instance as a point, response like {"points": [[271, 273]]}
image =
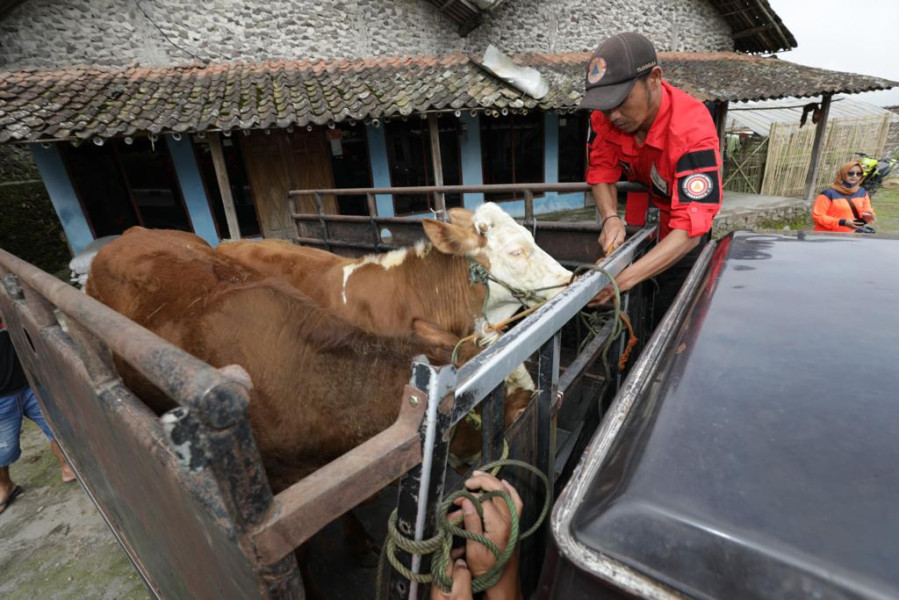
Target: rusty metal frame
{"points": [[304, 508], [180, 496], [205, 447]]}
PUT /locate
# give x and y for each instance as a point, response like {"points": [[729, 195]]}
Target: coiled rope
{"points": [[595, 321], [441, 544]]}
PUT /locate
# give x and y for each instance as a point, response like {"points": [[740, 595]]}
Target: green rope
{"points": [[594, 322], [478, 273], [441, 544]]}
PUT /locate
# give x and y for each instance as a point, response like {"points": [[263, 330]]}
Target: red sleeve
{"points": [[603, 164], [696, 197]]}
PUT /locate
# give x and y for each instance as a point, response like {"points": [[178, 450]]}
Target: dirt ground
{"points": [[54, 544]]}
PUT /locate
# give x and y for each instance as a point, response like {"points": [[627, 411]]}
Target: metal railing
{"points": [[479, 382], [437, 193], [567, 242]]}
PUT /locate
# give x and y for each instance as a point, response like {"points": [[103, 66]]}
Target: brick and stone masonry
{"points": [[50, 34]]}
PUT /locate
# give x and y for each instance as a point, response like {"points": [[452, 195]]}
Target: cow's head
{"points": [[507, 250]]}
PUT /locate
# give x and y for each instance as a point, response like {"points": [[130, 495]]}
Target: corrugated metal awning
{"points": [[759, 116]]}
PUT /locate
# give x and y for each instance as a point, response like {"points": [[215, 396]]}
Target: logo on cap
{"points": [[596, 70], [697, 186]]}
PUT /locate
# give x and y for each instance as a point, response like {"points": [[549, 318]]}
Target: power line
{"points": [[153, 23]]}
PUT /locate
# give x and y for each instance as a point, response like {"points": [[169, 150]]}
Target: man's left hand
{"points": [[605, 296]]}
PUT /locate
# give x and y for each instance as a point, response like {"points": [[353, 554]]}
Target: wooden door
{"points": [[311, 156], [269, 172]]}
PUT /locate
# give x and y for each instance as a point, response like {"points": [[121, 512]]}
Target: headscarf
{"points": [[841, 183]]}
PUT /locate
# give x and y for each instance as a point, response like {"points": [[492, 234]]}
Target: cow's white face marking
{"points": [[514, 259]]}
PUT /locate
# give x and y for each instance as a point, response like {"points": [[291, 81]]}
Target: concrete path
{"points": [[736, 201], [741, 210]]}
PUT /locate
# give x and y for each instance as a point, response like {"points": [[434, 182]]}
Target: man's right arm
{"points": [[602, 171], [612, 235]]}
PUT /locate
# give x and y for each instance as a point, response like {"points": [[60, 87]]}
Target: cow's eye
{"points": [[516, 252]]}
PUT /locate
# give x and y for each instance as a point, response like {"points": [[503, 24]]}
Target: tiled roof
{"points": [[86, 102], [720, 76]]}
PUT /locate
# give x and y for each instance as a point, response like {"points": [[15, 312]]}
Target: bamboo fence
{"points": [[790, 149], [744, 164]]}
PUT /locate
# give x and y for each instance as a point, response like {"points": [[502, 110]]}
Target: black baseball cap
{"points": [[614, 68]]}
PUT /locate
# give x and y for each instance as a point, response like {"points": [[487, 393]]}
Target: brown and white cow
{"points": [[320, 386], [386, 293]]}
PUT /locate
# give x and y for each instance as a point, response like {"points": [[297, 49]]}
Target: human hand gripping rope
{"points": [[448, 526]]}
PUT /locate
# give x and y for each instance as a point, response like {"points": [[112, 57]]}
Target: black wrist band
{"points": [[843, 223], [603, 224]]}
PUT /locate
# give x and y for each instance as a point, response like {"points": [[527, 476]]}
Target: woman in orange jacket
{"points": [[833, 209]]}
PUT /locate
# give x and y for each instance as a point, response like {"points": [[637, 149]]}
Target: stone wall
{"points": [[49, 33], [790, 214], [29, 227], [16, 164]]}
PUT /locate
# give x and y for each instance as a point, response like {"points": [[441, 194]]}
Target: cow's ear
{"points": [[452, 239], [462, 217]]}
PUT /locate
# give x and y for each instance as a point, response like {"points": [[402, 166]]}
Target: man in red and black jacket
{"points": [[655, 134]]}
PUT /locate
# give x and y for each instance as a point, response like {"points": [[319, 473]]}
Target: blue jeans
{"points": [[12, 409]]}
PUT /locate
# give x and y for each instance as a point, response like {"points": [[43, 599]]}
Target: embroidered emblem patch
{"points": [[596, 70], [697, 186]]}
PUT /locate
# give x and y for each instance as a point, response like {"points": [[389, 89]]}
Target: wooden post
{"points": [[816, 148], [721, 125], [528, 206], [221, 175], [439, 200]]}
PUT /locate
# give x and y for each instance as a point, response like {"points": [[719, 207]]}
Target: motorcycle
{"points": [[875, 170]]}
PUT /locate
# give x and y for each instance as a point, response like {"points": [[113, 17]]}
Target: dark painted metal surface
{"points": [[573, 569], [423, 487], [493, 425], [180, 520], [762, 461]]}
